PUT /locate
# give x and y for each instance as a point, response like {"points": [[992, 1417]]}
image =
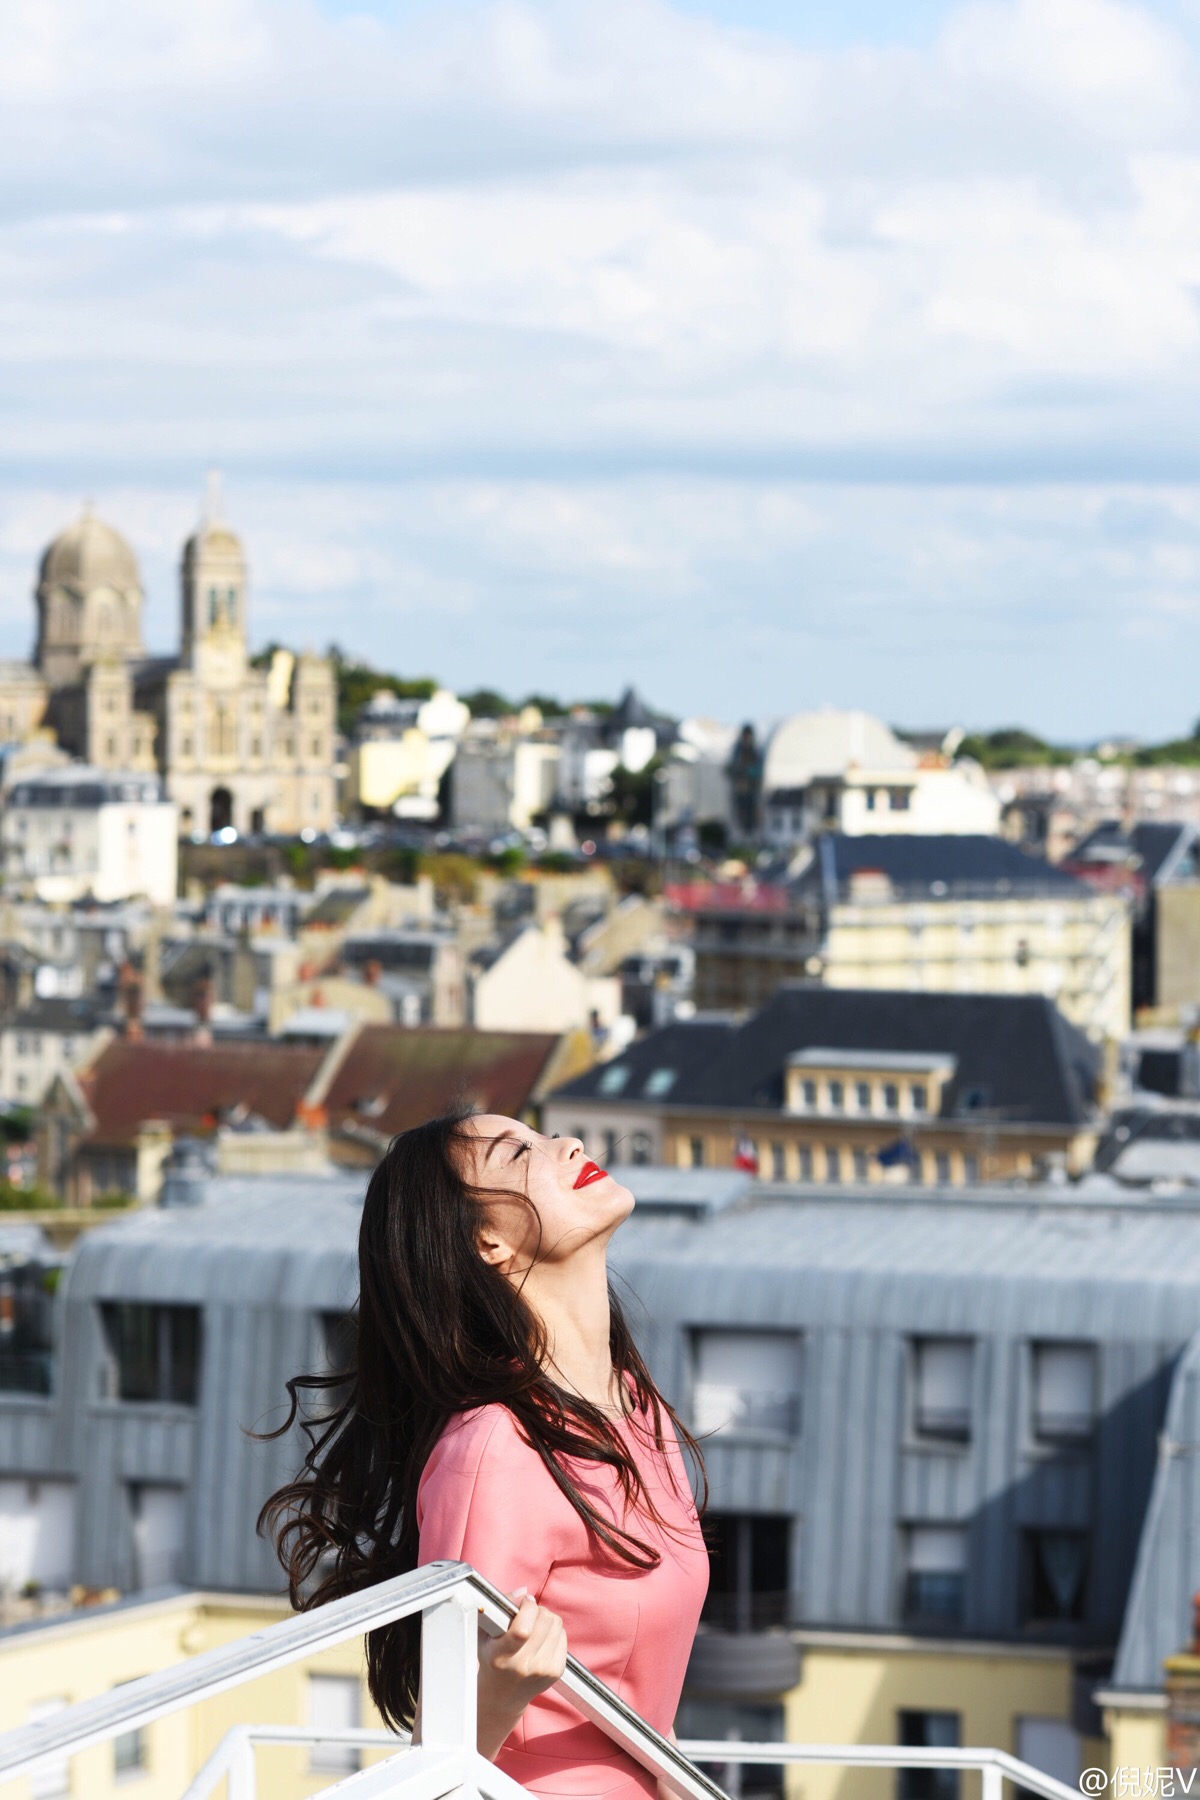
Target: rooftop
{"points": [[1016, 1058]]}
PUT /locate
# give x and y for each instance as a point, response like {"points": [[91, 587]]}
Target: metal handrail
{"points": [[138, 1703], [992, 1765]]}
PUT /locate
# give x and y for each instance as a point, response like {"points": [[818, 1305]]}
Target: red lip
{"points": [[590, 1172]]}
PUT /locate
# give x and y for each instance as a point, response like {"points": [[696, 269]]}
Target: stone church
{"points": [[241, 743]]}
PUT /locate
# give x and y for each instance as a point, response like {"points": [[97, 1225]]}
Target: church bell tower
{"points": [[214, 598]]}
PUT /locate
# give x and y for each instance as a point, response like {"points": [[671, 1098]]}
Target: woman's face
{"points": [[561, 1202]]}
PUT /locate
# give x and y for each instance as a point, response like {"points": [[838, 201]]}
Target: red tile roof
{"points": [[394, 1077], [194, 1086]]}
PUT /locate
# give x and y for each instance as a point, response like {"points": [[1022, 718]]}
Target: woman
{"points": [[499, 1413]]}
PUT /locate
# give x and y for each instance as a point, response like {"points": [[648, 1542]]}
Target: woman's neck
{"points": [[572, 1302]]}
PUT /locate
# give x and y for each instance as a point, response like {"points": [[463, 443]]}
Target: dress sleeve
{"points": [[486, 1499]]}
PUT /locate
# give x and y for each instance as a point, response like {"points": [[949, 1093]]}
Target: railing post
{"points": [[241, 1783], [991, 1778], [449, 1675]]}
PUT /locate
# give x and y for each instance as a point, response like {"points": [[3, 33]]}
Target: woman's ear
{"points": [[493, 1246]]}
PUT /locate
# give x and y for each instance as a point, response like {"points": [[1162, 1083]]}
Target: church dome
{"points": [[827, 743], [89, 554]]}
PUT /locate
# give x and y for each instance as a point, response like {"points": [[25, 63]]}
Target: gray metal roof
{"points": [[290, 1239], [1081, 1268], [1167, 1571]]}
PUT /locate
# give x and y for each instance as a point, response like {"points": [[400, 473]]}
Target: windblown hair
{"points": [[438, 1331]]}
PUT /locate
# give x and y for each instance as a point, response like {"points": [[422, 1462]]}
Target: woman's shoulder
{"points": [[482, 1436]]}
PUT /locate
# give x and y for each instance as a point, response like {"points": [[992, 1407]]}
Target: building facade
{"points": [[862, 1088], [946, 914], [76, 832], [941, 1500], [237, 744]]}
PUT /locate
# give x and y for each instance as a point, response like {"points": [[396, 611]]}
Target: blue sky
{"points": [[762, 355]]}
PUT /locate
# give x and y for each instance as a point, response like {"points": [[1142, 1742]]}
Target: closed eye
{"points": [[520, 1151]]}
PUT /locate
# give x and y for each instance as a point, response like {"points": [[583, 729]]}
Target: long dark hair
{"points": [[438, 1331]]}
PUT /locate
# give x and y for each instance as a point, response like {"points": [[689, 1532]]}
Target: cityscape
{"points": [[629, 567]]}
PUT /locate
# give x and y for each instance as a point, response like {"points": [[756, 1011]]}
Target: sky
{"points": [[762, 355]]}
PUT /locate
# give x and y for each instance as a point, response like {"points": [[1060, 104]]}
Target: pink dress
{"points": [[486, 1498]]}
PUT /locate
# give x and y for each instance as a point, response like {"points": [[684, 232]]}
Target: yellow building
{"points": [[57, 1661]]}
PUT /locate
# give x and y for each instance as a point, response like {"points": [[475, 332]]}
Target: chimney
{"points": [[1183, 1700], [129, 1002], [202, 1005]]}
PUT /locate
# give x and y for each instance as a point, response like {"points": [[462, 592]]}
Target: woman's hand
{"points": [[516, 1667]]}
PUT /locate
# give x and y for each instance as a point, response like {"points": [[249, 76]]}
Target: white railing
{"points": [[454, 1601]]}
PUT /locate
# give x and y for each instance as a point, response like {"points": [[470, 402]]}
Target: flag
{"points": [[899, 1151], [745, 1156]]}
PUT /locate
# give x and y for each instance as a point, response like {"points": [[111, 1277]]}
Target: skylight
{"points": [[659, 1081]]}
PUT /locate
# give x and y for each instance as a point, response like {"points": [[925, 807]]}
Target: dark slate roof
{"points": [[1017, 1058], [941, 867], [687, 1047], [58, 1013], [1152, 847]]}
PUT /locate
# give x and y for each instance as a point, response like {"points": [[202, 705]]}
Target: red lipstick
{"points": [[590, 1172]]}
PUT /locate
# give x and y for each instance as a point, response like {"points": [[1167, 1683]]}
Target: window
{"points": [[928, 1731], [935, 1568], [613, 1079], [155, 1352], [804, 1162], [696, 1147], [898, 799], [1023, 953], [891, 1097], [862, 1165], [1064, 1392], [158, 1523], [333, 1705], [129, 1751], [52, 1776], [919, 1095], [750, 1571], [659, 1081], [970, 1166], [746, 1382], [862, 1096], [779, 1162], [941, 1168], [808, 1092], [1054, 1577], [610, 1146], [837, 1096], [1051, 1746], [942, 1372], [870, 799], [737, 1723], [833, 1164], [639, 1146]]}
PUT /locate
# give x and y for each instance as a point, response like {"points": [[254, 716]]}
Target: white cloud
{"points": [[549, 314]]}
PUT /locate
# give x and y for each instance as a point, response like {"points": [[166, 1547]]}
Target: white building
{"points": [[43, 1040], [401, 750], [594, 745], [693, 787], [847, 772], [505, 775], [76, 832], [528, 983]]}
